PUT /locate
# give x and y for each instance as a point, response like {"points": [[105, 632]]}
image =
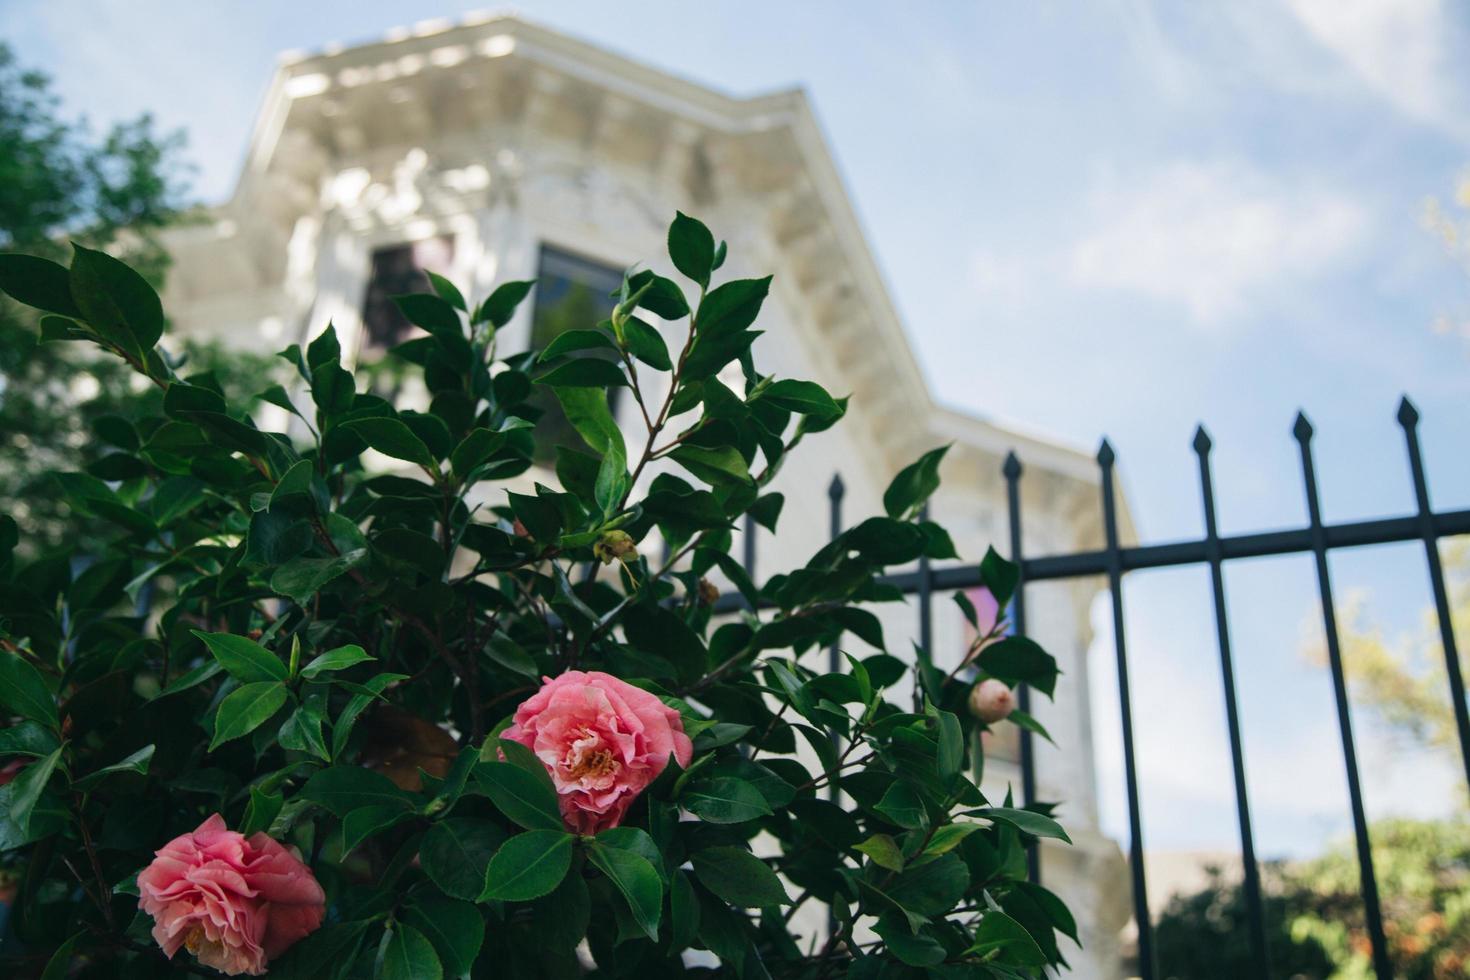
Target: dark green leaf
{"points": [[692, 248], [901, 805], [519, 795], [725, 799], [1000, 576], [246, 709], [914, 484], [115, 300], [245, 660], [456, 852], [1018, 660], [24, 692], [392, 438], [738, 877], [39, 283], [342, 789], [338, 659], [408, 955], [457, 929], [584, 372], [647, 344], [574, 340], [637, 880], [28, 786], [528, 866]]}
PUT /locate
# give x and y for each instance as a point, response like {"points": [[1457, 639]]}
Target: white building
{"points": [[495, 149]]}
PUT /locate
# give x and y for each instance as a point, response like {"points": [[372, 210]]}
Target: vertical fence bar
{"points": [[1012, 471], [1409, 418], [926, 613], [1373, 912], [1256, 919], [1146, 969]]}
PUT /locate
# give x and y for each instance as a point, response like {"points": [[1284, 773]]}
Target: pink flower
{"points": [[602, 740], [991, 701], [234, 903]]}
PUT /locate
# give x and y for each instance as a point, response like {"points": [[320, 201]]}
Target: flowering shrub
{"points": [[442, 714]]}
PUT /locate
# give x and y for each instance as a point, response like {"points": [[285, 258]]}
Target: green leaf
{"points": [[1000, 576], [662, 297], [457, 929], [456, 852], [636, 840], [261, 811], [947, 838], [137, 763], [931, 887], [28, 787], [1018, 660], [338, 659], [647, 344], [366, 821], [998, 931], [474, 449], [302, 578], [574, 340], [637, 880], [739, 877], [447, 291], [725, 799], [27, 738], [58, 966], [902, 806], [246, 709], [692, 248], [368, 691], [342, 789], [528, 866], [115, 300], [24, 691], [302, 730], [884, 851], [584, 372], [914, 484], [951, 757], [519, 795], [1027, 821], [802, 397], [434, 313], [732, 307], [718, 467], [392, 438], [408, 955], [38, 283], [245, 660], [1021, 719], [501, 305]]}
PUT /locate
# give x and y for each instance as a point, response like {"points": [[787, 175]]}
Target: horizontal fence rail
{"points": [[1213, 550]]}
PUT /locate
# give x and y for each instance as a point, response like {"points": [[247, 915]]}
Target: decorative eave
{"points": [[503, 75]]}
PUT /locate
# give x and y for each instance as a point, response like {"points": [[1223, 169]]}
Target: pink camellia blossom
{"points": [[992, 701], [235, 903], [602, 740]]}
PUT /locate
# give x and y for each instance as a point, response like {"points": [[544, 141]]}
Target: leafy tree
{"points": [[333, 655], [58, 182], [1314, 912]]}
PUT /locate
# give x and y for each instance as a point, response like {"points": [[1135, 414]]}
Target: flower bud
{"points": [[992, 701], [709, 593], [615, 545], [520, 529]]}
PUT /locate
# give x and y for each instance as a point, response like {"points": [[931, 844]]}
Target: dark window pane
{"points": [[399, 269], [572, 293]]}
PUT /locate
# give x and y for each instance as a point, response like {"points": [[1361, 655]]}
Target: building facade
{"points": [[494, 149]]}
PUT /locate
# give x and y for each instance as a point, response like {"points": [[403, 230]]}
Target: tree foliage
{"points": [[336, 638], [1314, 912]]}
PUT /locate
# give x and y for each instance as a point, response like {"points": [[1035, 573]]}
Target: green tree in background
{"points": [[59, 182], [1314, 912]]}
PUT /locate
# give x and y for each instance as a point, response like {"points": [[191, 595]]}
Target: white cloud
{"points": [[1212, 236], [1404, 49]]}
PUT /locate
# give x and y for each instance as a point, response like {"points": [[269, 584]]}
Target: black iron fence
{"points": [[1213, 550]]}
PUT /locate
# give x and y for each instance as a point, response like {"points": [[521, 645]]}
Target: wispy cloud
{"points": [[1406, 50], [1212, 236]]}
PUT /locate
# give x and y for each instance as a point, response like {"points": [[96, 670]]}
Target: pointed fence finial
{"points": [[1202, 442], [1408, 415], [836, 488], [1012, 466], [1105, 454], [1302, 429]]}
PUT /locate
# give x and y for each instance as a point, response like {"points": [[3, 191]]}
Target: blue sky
{"points": [[1129, 217]]}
